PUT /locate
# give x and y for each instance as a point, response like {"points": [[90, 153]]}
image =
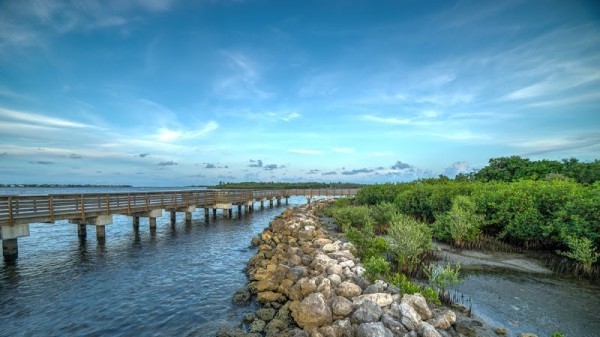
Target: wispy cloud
{"points": [[558, 144], [358, 171], [305, 151], [166, 134], [240, 79], [40, 120], [387, 120]]}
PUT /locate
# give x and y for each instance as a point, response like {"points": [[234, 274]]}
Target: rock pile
{"points": [[310, 285]]}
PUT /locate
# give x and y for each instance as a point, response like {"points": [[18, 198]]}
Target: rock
{"points": [[341, 306], [335, 269], [325, 288], [258, 325], [255, 241], [249, 318], [411, 314], [307, 285], [382, 299], [373, 330], [242, 296], [500, 331], [269, 296], [266, 314], [331, 247], [392, 289], [467, 327], [335, 279], [348, 289], [418, 302], [322, 262], [275, 327], [312, 312], [427, 330], [367, 312], [374, 288], [331, 331], [347, 263], [296, 273], [527, 334], [228, 331], [392, 324], [443, 321]]}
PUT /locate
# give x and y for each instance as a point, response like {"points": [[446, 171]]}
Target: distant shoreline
{"points": [[58, 185]]}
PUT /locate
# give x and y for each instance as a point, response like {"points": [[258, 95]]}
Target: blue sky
{"points": [[166, 92]]}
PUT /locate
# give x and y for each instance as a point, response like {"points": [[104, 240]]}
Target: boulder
{"points": [[242, 296], [427, 330], [275, 327], [341, 306], [348, 289], [367, 312], [418, 302], [258, 325], [265, 314], [394, 325], [269, 296], [312, 312], [409, 317], [374, 288], [467, 326], [335, 279], [527, 334], [444, 320], [373, 330], [307, 285], [382, 299]]}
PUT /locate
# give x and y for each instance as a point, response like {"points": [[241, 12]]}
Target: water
{"points": [[178, 282], [518, 293]]}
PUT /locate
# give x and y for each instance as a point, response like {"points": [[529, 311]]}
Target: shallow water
{"points": [[178, 282], [518, 293]]}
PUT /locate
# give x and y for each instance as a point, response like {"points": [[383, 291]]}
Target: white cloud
{"points": [[389, 120], [40, 120], [166, 134], [304, 151], [382, 154]]}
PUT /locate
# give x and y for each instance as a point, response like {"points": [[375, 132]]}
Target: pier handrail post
{"points": [[147, 203], [128, 204], [82, 203], [107, 204], [51, 207], [10, 211]]}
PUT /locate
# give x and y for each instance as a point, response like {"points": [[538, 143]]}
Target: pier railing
{"points": [[49, 208]]}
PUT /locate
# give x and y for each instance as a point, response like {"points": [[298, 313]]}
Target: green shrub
{"points": [[582, 251], [365, 242], [461, 224], [376, 268], [431, 295], [410, 239], [355, 216], [443, 278], [382, 215]]}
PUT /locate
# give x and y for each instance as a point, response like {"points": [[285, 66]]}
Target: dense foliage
{"points": [[543, 204], [515, 168]]}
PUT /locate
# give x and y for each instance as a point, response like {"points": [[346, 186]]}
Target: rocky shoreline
{"points": [[309, 284]]}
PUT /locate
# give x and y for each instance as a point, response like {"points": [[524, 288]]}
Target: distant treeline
{"points": [[283, 186], [509, 169]]}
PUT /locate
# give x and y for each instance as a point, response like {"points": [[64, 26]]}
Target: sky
{"points": [[177, 93]]}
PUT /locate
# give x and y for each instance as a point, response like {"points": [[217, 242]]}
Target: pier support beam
{"points": [[278, 201], [308, 199], [262, 204], [270, 202], [100, 233], [287, 200], [188, 217], [230, 211], [10, 250], [152, 222], [173, 217], [82, 231], [206, 214], [136, 223], [214, 213]]}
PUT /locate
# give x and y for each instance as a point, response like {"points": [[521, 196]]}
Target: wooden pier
{"points": [[17, 212]]}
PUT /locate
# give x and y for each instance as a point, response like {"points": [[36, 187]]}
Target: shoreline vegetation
{"points": [[307, 282]]}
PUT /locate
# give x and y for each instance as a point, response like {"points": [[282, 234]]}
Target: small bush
{"points": [[443, 278], [376, 268], [582, 251], [461, 224], [410, 239], [382, 215], [355, 216], [365, 242], [431, 295]]}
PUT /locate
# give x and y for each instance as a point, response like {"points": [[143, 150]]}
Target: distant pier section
{"points": [[94, 209]]}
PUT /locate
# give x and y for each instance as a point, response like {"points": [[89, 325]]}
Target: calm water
{"points": [[177, 283]]}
